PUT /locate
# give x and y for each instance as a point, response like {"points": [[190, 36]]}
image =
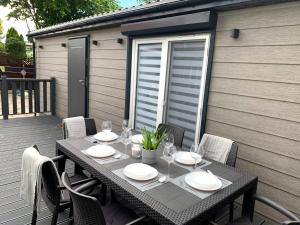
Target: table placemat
{"points": [[180, 181], [200, 165], [141, 185], [95, 141], [107, 160]]}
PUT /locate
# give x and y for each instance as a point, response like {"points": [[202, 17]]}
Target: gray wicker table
{"points": [[167, 203]]}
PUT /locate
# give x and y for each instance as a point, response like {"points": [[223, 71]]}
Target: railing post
{"points": [[4, 97], [52, 96]]}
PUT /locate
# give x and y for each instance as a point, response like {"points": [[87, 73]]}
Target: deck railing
{"points": [[24, 96]]}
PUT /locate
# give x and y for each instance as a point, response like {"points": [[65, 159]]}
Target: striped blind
{"points": [[185, 71], [148, 75]]}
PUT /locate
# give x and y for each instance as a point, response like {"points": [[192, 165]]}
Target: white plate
{"points": [[106, 136], [138, 138], [186, 157], [100, 151], [203, 181], [140, 172]]}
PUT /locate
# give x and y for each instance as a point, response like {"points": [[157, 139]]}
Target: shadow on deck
{"points": [[15, 136]]}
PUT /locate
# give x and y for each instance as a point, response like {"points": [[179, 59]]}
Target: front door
{"points": [[77, 76]]}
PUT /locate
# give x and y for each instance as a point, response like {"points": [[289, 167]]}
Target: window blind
{"points": [[185, 71], [148, 75]]}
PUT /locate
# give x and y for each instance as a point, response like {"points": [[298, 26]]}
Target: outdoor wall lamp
{"points": [[41, 46], [120, 40], [95, 42], [63, 45], [235, 33]]}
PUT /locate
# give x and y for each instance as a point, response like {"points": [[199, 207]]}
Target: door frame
{"points": [[87, 71], [165, 40]]}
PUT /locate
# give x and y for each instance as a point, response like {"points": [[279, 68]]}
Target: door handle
{"points": [[82, 82]]}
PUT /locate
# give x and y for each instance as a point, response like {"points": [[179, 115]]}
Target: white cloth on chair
{"points": [[75, 127], [215, 147], [31, 176]]}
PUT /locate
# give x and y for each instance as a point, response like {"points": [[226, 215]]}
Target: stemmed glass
{"points": [[126, 139], [169, 140], [169, 156], [125, 126], [194, 152], [106, 127]]}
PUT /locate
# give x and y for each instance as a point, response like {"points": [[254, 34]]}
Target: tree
{"points": [[146, 1], [14, 44], [46, 13]]}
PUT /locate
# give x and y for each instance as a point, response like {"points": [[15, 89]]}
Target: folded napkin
{"points": [[75, 127], [31, 179], [215, 147]]}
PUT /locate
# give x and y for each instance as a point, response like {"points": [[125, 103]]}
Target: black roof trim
{"points": [[154, 10]]}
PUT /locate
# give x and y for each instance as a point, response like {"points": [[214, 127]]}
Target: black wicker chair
{"points": [[292, 218], [178, 132], [88, 211], [89, 125], [56, 197]]}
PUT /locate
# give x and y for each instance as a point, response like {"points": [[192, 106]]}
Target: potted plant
{"points": [[151, 141]]}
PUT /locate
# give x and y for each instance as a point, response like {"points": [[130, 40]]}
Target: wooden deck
{"points": [[15, 136]]}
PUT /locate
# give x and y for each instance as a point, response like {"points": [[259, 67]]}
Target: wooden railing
{"points": [[24, 96]]}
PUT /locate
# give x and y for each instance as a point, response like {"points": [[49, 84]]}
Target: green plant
{"points": [[151, 139]]}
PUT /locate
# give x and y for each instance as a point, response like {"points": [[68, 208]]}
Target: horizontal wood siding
{"points": [[255, 97], [107, 73]]}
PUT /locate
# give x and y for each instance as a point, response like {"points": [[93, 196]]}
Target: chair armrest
{"points": [[277, 207], [82, 181], [291, 223], [212, 223], [59, 157], [136, 220], [87, 186]]}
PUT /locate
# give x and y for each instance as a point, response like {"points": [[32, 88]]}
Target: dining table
{"points": [[171, 202]]}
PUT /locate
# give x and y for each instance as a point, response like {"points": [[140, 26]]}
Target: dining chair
{"points": [[177, 132], [292, 218], [55, 196], [90, 126], [231, 157], [88, 211]]}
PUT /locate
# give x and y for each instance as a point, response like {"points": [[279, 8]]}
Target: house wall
{"points": [[254, 97], [107, 73]]}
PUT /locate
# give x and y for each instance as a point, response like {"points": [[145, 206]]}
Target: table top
{"points": [[167, 203]]}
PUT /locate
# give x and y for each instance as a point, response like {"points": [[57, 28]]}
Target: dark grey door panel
{"points": [[77, 76]]}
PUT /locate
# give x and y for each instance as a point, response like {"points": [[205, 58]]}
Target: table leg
{"points": [[249, 202], [61, 164]]}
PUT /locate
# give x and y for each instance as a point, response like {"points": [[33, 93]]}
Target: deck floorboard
{"points": [[16, 135]]}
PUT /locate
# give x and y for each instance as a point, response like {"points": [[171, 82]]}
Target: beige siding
{"points": [[255, 97], [107, 73]]}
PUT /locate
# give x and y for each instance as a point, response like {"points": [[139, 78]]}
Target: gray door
{"points": [[77, 76]]}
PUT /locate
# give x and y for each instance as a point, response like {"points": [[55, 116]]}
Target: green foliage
{"points": [[14, 44], [2, 47], [151, 139], [145, 1], [46, 13]]}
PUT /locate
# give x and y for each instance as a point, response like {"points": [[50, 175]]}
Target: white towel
{"points": [[31, 178], [75, 127], [215, 147]]}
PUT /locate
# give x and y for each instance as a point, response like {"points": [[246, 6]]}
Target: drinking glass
{"points": [[106, 126], [125, 125], [169, 140], [193, 150], [126, 139], [169, 156]]}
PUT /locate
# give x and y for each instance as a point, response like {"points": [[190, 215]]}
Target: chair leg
{"points": [[34, 217], [231, 211], [103, 194], [55, 216]]}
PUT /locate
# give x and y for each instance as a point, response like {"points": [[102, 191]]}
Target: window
{"points": [[168, 83]]}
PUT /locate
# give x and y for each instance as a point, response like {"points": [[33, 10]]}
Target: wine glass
{"points": [[125, 125], [169, 156], [126, 139], [106, 126], [194, 152], [169, 140]]}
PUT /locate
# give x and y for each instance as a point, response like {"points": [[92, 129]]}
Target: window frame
{"points": [[164, 75]]}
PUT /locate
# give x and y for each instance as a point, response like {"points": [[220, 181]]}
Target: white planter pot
{"points": [[149, 156]]}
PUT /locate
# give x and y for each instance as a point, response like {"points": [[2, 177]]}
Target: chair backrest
{"points": [[86, 209], [50, 181], [90, 126], [220, 145], [177, 132]]}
